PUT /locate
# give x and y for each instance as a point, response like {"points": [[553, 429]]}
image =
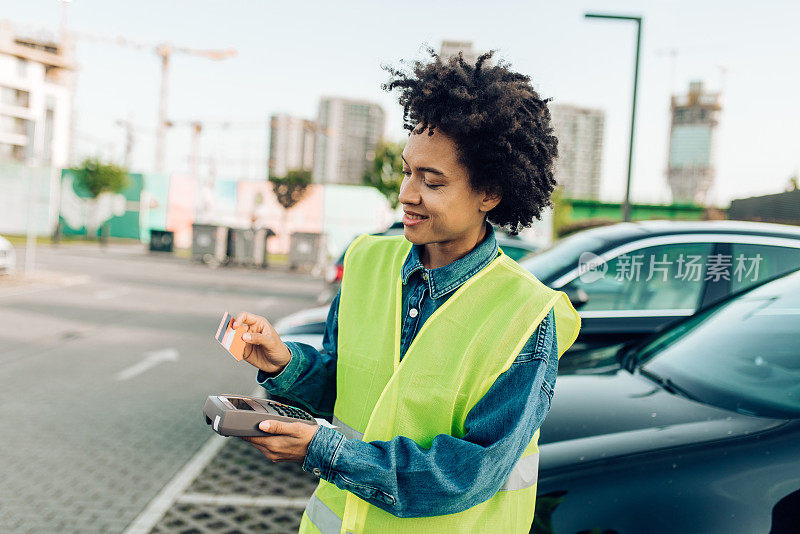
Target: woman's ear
{"points": [[490, 201]]}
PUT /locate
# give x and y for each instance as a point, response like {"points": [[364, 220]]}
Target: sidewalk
{"points": [[229, 487]]}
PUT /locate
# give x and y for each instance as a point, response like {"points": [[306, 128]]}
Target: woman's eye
{"points": [[432, 186], [407, 173]]}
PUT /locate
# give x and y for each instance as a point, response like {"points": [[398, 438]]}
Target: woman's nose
{"points": [[409, 194]]}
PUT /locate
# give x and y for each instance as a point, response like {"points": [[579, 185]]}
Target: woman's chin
{"points": [[411, 234]]}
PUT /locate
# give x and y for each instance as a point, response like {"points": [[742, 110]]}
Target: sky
{"points": [[289, 54]]}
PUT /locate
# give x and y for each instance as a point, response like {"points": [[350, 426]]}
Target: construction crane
{"points": [[164, 51], [197, 126]]}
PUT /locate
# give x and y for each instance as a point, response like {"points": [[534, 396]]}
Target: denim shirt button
{"points": [[316, 471], [424, 275], [413, 312]]}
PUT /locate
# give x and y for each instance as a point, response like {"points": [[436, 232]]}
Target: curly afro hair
{"points": [[499, 123]]}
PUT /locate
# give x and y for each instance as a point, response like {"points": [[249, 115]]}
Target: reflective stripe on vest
{"points": [[524, 474], [323, 517], [349, 432]]}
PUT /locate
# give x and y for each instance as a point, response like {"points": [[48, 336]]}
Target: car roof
{"points": [[624, 232]]}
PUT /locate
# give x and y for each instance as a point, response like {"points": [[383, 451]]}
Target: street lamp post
{"points": [[626, 205]]}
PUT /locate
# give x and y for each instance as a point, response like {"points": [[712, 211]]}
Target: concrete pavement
{"points": [[86, 442]]}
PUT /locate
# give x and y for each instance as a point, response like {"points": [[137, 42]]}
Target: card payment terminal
{"points": [[239, 415]]}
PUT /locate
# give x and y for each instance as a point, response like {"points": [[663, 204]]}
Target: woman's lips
{"points": [[408, 221]]}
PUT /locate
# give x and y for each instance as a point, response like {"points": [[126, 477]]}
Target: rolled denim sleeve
{"points": [[309, 379], [457, 473]]}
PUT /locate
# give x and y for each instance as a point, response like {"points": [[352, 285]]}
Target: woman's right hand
{"points": [[263, 348]]}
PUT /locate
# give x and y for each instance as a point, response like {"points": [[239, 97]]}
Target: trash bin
{"points": [[161, 240], [306, 249], [260, 246], [209, 244], [248, 246], [241, 245]]}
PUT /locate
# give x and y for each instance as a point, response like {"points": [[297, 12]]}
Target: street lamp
{"points": [[626, 206]]}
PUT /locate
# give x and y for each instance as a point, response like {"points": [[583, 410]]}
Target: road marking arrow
{"points": [[151, 359]]}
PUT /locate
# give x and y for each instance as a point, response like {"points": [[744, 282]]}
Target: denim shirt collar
{"points": [[448, 278]]}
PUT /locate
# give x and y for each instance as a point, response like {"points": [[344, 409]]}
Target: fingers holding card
{"points": [[230, 338]]}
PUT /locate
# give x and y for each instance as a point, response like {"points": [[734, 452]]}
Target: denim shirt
{"points": [[454, 474]]}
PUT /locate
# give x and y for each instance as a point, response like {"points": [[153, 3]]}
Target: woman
{"points": [[441, 353]]}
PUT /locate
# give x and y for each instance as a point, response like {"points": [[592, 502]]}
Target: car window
{"points": [[661, 277], [741, 355], [561, 255], [751, 264]]}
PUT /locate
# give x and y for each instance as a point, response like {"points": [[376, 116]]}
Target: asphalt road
{"points": [[106, 358]]}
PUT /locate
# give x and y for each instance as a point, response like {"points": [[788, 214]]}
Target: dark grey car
{"points": [[698, 432]]}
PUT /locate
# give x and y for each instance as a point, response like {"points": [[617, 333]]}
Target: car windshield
{"points": [[561, 255], [742, 355]]}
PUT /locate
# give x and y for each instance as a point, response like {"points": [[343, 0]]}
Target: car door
{"points": [[634, 289], [744, 261]]}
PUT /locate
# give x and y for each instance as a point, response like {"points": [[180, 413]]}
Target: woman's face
{"points": [[436, 186]]}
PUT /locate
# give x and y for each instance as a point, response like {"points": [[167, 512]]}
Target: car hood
{"points": [[304, 321], [597, 417]]}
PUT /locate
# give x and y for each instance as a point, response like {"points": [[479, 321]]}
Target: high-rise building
{"points": [[349, 131], [35, 99], [690, 171], [291, 144], [452, 48], [580, 149]]}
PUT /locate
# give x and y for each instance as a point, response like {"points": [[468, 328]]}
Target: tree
{"points": [[386, 171], [290, 190], [97, 178]]}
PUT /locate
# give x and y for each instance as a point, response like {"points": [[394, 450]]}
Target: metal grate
{"points": [[198, 519], [240, 469], [241, 491]]}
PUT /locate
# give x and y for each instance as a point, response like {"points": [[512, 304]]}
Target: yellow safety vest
{"points": [[452, 362]]}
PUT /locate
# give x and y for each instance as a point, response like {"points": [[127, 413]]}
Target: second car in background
{"points": [[628, 280], [514, 247]]}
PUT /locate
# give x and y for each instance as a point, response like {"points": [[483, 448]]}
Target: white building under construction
{"points": [[690, 168]]}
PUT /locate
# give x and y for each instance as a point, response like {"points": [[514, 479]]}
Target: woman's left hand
{"points": [[289, 442]]}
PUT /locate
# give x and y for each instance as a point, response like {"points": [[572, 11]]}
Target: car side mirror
{"points": [[577, 296]]}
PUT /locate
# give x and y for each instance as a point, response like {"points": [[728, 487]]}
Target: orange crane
{"points": [[164, 51]]}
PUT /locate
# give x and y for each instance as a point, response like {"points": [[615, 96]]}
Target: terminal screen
{"points": [[240, 404]]}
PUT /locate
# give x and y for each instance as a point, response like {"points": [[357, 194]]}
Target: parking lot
{"points": [[106, 357]]}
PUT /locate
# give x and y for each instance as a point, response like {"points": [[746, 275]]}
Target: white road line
{"points": [[145, 521], [106, 294], [242, 500], [151, 360], [167, 496]]}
